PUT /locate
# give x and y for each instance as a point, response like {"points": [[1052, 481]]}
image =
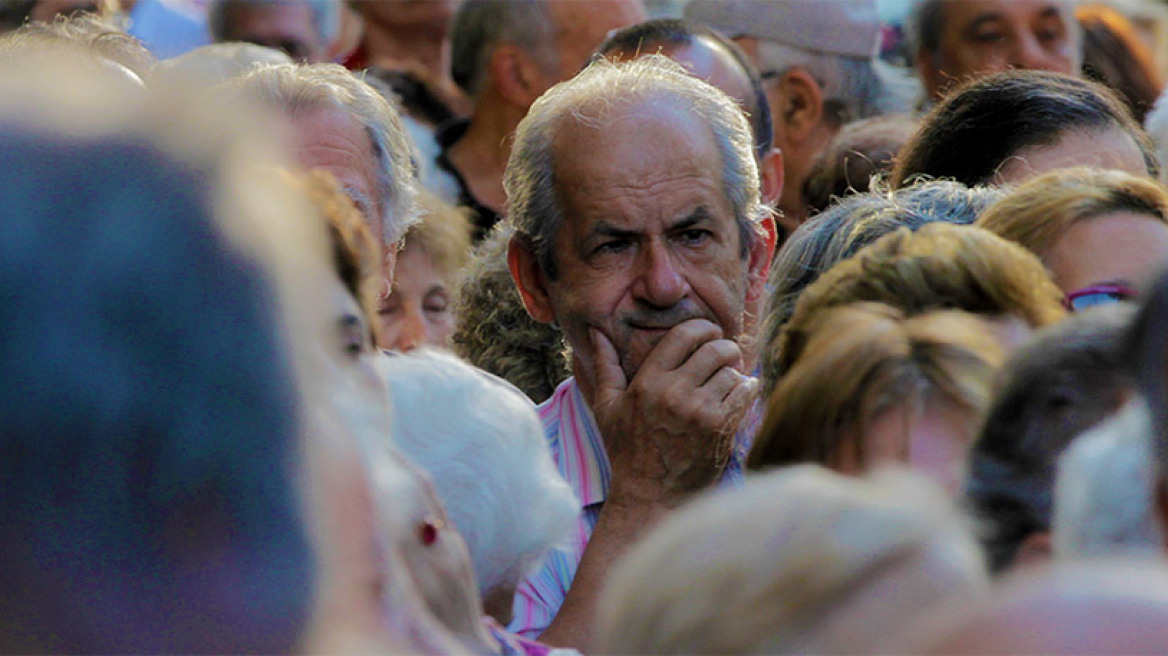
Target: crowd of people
{"points": [[533, 327]]}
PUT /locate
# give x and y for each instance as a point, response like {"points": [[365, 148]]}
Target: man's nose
{"points": [[660, 282]]}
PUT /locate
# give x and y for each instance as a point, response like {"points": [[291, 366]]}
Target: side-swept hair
{"points": [[296, 88], [1038, 212], [601, 91], [977, 128], [862, 360]]}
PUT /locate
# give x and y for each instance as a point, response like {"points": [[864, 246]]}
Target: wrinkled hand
{"points": [[669, 431]]}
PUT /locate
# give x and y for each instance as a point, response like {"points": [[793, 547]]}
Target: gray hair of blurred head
{"points": [[297, 88], [326, 16], [602, 92], [219, 62], [792, 563], [482, 443], [481, 25], [851, 86], [1104, 494]]}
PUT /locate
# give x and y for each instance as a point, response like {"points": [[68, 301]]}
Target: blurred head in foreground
{"points": [[1101, 607], [150, 405], [800, 560], [481, 441]]}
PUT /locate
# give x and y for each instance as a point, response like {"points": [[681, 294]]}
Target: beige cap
{"points": [[841, 27]]}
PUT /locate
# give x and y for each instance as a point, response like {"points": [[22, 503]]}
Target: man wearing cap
{"points": [[815, 58]]}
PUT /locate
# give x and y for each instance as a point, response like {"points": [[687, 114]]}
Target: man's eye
{"points": [[989, 37], [695, 237], [612, 247]]}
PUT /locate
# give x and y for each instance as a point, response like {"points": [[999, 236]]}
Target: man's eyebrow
{"points": [[699, 215], [609, 230]]}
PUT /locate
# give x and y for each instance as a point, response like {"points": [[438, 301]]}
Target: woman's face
{"points": [[1120, 248], [417, 311], [1110, 148], [934, 440]]}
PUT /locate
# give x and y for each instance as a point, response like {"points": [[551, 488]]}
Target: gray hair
{"points": [[1103, 495], [598, 92], [852, 223], [326, 16], [801, 550], [480, 25], [852, 88], [217, 62], [494, 332], [307, 87], [482, 443]]}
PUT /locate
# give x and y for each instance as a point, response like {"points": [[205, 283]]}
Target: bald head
{"points": [[1105, 607]]}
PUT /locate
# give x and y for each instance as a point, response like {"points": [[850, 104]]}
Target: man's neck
{"points": [[480, 155]]}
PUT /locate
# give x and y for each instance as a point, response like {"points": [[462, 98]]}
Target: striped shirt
{"points": [[578, 451]]}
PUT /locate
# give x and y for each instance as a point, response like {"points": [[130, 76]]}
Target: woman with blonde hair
{"points": [[418, 309], [1101, 234], [874, 386], [797, 561], [939, 266]]}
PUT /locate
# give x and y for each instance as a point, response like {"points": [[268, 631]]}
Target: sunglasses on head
{"points": [[1081, 299]]}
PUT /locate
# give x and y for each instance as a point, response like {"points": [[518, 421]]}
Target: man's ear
{"points": [[802, 109], [530, 280], [771, 174], [516, 75], [759, 259]]}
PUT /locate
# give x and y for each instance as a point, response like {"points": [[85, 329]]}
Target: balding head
{"points": [[1103, 607]]}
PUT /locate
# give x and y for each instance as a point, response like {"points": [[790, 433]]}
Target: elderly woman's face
{"points": [[417, 311]]}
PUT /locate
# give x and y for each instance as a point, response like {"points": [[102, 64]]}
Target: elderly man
{"points": [[816, 60], [634, 196], [505, 54], [346, 127], [954, 40], [302, 28]]}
